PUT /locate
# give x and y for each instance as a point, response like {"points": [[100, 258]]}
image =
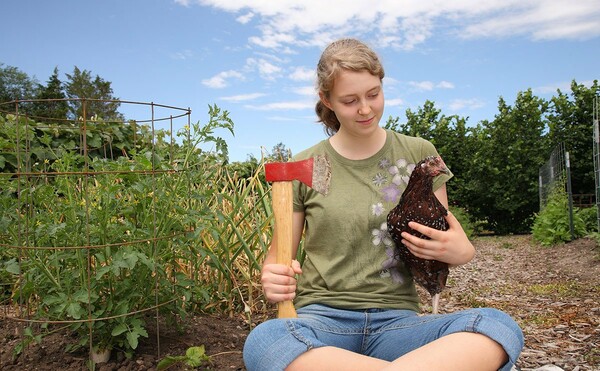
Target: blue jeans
{"points": [[381, 333]]}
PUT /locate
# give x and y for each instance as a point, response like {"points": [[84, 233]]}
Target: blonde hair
{"points": [[343, 54]]}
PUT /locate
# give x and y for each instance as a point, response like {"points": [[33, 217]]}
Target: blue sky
{"points": [[256, 58]]}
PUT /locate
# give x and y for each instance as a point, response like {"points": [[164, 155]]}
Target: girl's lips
{"points": [[366, 122]]}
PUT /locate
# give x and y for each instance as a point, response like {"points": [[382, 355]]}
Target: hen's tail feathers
{"points": [[435, 302]]}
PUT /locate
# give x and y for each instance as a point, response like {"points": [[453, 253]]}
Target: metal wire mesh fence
{"points": [[596, 144], [552, 174], [91, 225]]}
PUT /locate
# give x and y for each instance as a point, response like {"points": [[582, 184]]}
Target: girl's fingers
{"points": [[279, 282]]}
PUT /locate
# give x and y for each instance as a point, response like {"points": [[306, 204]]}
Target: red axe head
{"points": [[315, 172]]}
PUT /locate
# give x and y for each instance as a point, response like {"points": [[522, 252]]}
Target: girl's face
{"points": [[357, 100]]}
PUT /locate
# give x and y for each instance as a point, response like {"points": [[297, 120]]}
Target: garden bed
{"points": [[554, 294]]}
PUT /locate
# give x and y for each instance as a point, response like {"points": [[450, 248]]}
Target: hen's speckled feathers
{"points": [[419, 204]]}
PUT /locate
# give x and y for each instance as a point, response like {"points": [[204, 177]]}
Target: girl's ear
{"points": [[325, 100]]}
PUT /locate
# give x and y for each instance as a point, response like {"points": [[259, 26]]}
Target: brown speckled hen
{"points": [[419, 204]]}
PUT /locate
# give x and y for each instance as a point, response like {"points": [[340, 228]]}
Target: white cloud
{"points": [[282, 118], [182, 55], [306, 90], [242, 97], [243, 19], [541, 20], [285, 25], [291, 105], [390, 81], [445, 85], [272, 57], [469, 104], [394, 102], [422, 85], [185, 3], [551, 89], [266, 69], [220, 80], [430, 85], [564, 86], [272, 40], [303, 74]]}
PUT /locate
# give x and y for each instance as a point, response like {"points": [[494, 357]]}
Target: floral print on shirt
{"points": [[391, 180]]}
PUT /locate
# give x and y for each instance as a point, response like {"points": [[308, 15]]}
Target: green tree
{"points": [[503, 175], [451, 138], [456, 144], [280, 153], [423, 122], [570, 121], [97, 94], [15, 84], [54, 107]]}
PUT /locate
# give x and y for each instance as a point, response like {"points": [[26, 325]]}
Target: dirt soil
{"points": [[553, 293]]}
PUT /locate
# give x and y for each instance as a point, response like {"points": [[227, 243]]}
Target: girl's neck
{"points": [[358, 147]]}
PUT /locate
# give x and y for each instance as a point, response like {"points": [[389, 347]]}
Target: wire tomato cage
{"points": [[89, 227]]}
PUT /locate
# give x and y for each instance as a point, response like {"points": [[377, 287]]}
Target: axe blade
{"points": [[315, 172]]}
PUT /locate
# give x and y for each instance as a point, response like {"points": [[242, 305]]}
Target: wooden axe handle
{"points": [[283, 210]]}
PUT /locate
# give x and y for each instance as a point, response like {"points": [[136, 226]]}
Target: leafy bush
{"points": [[589, 215], [552, 226], [101, 241]]}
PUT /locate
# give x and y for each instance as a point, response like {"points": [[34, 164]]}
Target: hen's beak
{"points": [[443, 169]]}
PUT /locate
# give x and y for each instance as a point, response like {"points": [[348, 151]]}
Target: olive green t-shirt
{"points": [[349, 259]]}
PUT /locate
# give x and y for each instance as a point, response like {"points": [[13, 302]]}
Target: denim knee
{"points": [[500, 327], [274, 344]]}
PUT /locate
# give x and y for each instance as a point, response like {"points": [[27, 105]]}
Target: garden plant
{"points": [[103, 244]]}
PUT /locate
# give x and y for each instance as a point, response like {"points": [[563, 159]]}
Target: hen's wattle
{"points": [[418, 203]]}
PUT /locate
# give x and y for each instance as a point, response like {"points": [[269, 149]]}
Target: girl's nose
{"points": [[364, 108]]}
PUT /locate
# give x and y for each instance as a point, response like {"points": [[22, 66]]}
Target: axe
{"points": [[314, 172]]}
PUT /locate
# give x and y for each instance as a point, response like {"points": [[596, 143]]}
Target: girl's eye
{"points": [[374, 95], [348, 102]]}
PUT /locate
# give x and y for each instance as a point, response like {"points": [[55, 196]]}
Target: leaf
{"points": [[196, 355], [53, 299], [12, 266], [168, 362], [122, 308], [130, 259], [119, 329], [149, 263], [138, 327], [28, 332], [102, 271], [75, 310], [132, 339], [81, 296]]}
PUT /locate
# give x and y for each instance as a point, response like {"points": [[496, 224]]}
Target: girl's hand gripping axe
{"points": [[314, 172]]}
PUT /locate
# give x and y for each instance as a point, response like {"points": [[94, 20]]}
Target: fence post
{"points": [[570, 195], [541, 188]]}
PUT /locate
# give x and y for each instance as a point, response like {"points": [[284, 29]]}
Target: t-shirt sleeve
{"points": [[299, 192]]}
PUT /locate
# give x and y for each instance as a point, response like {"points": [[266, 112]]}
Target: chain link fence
{"points": [[552, 174], [596, 113], [556, 172]]}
